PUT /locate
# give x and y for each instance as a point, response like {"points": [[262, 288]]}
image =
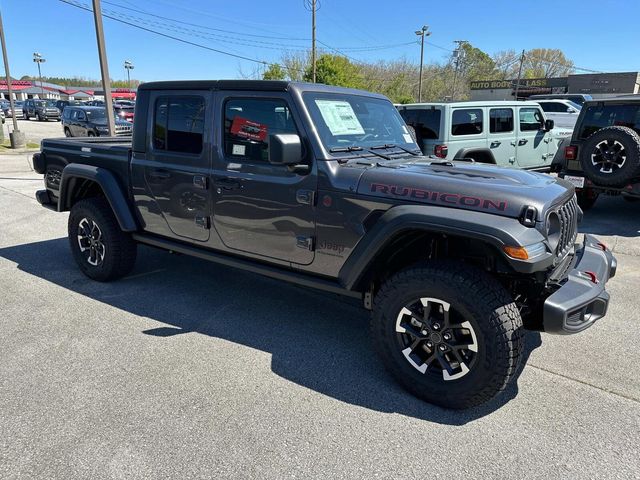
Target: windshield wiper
{"points": [[393, 145], [345, 149]]}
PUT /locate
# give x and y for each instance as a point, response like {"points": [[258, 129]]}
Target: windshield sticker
{"points": [[238, 150], [339, 117], [407, 138], [244, 128]]}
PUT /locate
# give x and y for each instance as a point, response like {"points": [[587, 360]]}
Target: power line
{"points": [[182, 40]]}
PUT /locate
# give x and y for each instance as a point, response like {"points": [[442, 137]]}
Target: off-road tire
{"points": [[119, 248], [619, 176], [481, 301], [586, 199]]}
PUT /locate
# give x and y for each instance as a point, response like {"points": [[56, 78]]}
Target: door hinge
{"points": [[203, 222], [201, 182], [305, 242], [305, 197]]}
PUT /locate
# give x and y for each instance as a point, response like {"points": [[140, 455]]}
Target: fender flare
{"points": [[109, 185], [494, 230], [463, 152]]}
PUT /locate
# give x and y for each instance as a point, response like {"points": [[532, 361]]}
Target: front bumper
{"points": [[582, 299]]}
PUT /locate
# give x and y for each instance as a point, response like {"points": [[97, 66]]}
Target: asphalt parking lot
{"points": [[186, 369], [34, 130]]}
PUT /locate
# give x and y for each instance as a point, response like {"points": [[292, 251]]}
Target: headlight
{"points": [[526, 253]]}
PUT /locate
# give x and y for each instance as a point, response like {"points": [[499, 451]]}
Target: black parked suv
{"points": [[90, 122], [603, 155], [40, 109], [323, 187], [62, 104]]}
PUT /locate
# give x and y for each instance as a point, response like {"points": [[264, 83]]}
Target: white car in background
{"points": [[564, 113]]}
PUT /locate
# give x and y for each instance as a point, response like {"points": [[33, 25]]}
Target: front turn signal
{"points": [[519, 253]]}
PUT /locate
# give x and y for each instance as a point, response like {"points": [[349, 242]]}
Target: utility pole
{"points": [[16, 137], [423, 32], [458, 53], [313, 39], [519, 75], [128, 67], [38, 59], [104, 68]]}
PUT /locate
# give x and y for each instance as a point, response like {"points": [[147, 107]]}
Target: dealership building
{"points": [[25, 89], [598, 85]]}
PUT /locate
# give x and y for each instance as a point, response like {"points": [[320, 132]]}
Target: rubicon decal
{"points": [[440, 197]]}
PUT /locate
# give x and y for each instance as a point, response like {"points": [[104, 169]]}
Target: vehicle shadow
{"points": [[316, 342], [612, 216]]}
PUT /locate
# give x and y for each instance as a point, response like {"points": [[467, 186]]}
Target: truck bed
{"points": [[112, 153]]}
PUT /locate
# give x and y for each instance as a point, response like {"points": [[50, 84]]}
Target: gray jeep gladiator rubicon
{"points": [[325, 187]]}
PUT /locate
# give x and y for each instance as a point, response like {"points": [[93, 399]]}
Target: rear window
{"points": [[501, 120], [179, 124], [426, 122], [466, 121], [601, 116]]}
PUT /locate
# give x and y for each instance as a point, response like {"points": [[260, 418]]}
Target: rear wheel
{"points": [[100, 248], [449, 333]]}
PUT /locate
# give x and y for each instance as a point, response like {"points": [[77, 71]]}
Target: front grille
{"points": [[568, 215]]}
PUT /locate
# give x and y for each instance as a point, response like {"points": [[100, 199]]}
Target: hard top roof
{"points": [[471, 104], [251, 85]]}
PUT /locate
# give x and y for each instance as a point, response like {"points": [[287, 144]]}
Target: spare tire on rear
{"points": [[611, 156]]}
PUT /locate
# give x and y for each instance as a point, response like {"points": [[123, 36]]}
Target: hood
{"points": [[102, 122], [480, 187]]}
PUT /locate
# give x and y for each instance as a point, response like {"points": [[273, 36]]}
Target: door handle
{"points": [[495, 144], [523, 141], [159, 174], [227, 184]]}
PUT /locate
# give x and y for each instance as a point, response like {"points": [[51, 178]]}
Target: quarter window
{"points": [[466, 121], [500, 120], [248, 123], [531, 119], [179, 124]]}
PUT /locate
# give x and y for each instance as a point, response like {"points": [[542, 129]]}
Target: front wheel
{"points": [[449, 333], [100, 248]]}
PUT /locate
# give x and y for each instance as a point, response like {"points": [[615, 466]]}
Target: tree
{"points": [[546, 63], [335, 70], [274, 72], [506, 64]]}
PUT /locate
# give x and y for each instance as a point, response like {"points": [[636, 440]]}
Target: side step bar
{"points": [[261, 269]]}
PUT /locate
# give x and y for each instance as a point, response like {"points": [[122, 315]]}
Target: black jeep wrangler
{"points": [[325, 187], [603, 156]]}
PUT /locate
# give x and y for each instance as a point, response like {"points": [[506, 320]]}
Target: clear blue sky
{"points": [[594, 34]]}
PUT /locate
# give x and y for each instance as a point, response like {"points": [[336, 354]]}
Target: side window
{"points": [[178, 123], [80, 115], [466, 121], [248, 122], [531, 119], [500, 120]]}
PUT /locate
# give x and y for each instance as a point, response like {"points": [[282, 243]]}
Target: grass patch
{"points": [[6, 145]]}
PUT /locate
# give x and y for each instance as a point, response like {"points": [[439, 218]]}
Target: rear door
{"points": [[171, 179], [502, 135], [532, 144]]}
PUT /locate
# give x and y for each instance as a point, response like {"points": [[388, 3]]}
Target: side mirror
{"points": [[285, 149], [549, 124]]}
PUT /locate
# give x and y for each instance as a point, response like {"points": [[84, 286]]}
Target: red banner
{"points": [[244, 128]]}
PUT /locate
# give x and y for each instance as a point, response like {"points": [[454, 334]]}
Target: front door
{"points": [[532, 142], [171, 179], [502, 136], [260, 208]]}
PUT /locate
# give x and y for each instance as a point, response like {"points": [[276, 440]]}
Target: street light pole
{"points": [[39, 59], [104, 68], [128, 65], [16, 137], [313, 39], [423, 32]]}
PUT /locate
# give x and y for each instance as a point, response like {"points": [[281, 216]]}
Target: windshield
{"points": [[346, 121], [50, 103], [575, 105]]}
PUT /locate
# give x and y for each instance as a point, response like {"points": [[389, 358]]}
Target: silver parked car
{"points": [[563, 112]]}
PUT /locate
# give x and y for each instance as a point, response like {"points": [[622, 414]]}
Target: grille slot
{"points": [[568, 215]]}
